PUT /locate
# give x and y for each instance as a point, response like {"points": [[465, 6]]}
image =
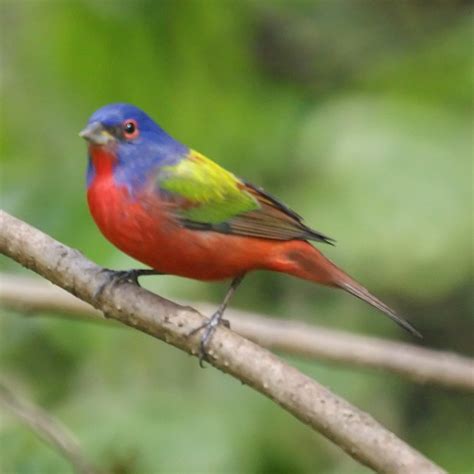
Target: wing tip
{"points": [[318, 237], [329, 241]]}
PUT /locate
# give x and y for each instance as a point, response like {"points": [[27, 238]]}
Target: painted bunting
{"points": [[180, 213]]}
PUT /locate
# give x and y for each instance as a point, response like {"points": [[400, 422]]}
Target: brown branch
{"points": [[47, 428], [418, 364], [356, 432]]}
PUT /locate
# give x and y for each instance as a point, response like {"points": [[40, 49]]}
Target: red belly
{"points": [[151, 236]]}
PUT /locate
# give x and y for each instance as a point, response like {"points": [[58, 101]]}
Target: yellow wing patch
{"points": [[214, 194]]}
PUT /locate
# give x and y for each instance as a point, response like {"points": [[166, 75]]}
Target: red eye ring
{"points": [[130, 129]]}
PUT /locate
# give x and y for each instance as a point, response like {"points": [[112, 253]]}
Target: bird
{"points": [[180, 213]]}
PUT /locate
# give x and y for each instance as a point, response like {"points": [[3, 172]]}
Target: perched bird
{"points": [[180, 213]]}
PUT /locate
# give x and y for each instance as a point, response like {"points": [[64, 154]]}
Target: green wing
{"points": [[205, 196], [210, 194]]}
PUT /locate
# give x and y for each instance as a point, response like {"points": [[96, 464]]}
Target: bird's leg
{"points": [[115, 277], [210, 325]]}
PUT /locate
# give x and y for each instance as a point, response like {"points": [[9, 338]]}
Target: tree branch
{"points": [[47, 428], [418, 364], [356, 432]]}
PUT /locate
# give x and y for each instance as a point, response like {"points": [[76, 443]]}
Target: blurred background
{"points": [[357, 114]]}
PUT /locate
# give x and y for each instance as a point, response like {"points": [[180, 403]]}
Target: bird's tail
{"points": [[305, 261]]}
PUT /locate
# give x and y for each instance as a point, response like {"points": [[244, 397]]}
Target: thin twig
{"points": [[49, 429], [418, 364], [360, 435]]}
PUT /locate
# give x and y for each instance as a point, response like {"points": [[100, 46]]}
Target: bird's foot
{"points": [[209, 327], [115, 277], [211, 324]]}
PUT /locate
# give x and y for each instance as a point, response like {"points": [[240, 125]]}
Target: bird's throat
{"points": [[103, 160]]}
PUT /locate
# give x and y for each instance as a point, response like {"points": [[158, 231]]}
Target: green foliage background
{"points": [[357, 113]]}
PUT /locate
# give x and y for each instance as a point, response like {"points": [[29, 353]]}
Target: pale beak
{"points": [[95, 133]]}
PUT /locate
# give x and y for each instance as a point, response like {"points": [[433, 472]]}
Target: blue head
{"points": [[136, 141]]}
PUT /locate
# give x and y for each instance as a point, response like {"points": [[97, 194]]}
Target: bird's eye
{"points": [[130, 129]]}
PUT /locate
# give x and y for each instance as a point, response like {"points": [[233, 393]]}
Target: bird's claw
{"points": [[226, 323], [115, 277], [209, 327]]}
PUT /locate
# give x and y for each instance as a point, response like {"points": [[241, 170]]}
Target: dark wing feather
{"points": [[273, 220]]}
